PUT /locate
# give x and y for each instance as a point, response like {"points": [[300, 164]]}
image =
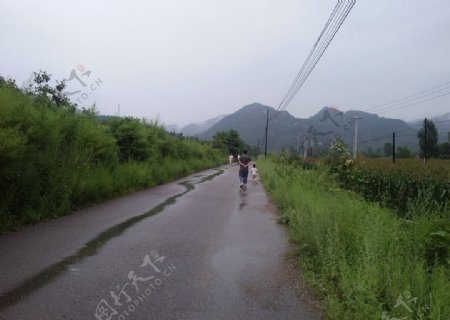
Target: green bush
{"points": [[54, 160]]}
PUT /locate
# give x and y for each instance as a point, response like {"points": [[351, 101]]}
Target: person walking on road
{"points": [[254, 173], [244, 162], [230, 158]]}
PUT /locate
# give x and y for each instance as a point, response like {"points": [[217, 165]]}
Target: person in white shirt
{"points": [[254, 172]]}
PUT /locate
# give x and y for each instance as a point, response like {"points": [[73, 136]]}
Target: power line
{"points": [[397, 101], [332, 26], [318, 54], [308, 59], [385, 137], [335, 20], [412, 102]]}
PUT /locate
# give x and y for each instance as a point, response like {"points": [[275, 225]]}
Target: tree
{"points": [[428, 138], [131, 139], [40, 87], [387, 149], [444, 150], [229, 141], [404, 152], [7, 82]]}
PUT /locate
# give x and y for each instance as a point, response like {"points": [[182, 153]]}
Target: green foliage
{"points": [[361, 257], [428, 138], [132, 139], [444, 150], [408, 187], [52, 96], [339, 159], [229, 141], [371, 153], [293, 160], [404, 152], [54, 160], [437, 247]]}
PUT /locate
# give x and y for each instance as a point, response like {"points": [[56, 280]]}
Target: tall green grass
{"points": [[54, 160], [362, 259]]}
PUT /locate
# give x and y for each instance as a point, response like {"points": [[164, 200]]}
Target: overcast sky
{"points": [[189, 60]]}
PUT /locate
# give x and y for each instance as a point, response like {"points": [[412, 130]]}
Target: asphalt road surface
{"points": [[196, 248]]}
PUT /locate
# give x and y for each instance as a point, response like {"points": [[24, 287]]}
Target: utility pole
{"points": [[311, 147], [258, 147], [425, 146], [355, 142], [393, 147], [305, 147], [267, 129]]}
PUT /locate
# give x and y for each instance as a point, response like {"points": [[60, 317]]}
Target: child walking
{"points": [[254, 172]]}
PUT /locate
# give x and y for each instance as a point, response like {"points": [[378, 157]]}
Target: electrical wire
{"points": [[334, 22], [411, 97], [412, 102], [337, 24]]}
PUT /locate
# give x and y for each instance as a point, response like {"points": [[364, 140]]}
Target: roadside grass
{"points": [[99, 184], [364, 261]]}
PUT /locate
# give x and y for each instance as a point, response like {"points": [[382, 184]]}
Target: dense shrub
{"points": [[53, 159]]}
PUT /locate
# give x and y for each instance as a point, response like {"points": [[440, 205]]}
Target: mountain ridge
{"points": [[289, 132]]}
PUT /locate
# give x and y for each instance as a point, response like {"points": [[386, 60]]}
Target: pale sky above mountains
{"points": [[188, 61]]}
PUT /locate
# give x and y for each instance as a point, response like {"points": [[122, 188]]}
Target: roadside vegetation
{"points": [[373, 239], [55, 158]]}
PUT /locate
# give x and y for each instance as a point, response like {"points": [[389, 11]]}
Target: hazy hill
{"points": [[373, 131], [197, 128], [286, 131], [250, 122], [171, 127]]}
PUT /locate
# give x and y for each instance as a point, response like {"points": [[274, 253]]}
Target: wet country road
{"points": [[197, 248]]}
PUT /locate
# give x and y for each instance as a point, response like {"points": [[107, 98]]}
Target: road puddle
{"points": [[91, 248]]}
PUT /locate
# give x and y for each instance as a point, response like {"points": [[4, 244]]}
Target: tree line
{"points": [[429, 147]]}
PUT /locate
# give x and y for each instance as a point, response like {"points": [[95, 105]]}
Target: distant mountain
{"points": [[250, 122], [442, 124], [171, 127], [197, 128], [288, 132], [373, 131]]}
